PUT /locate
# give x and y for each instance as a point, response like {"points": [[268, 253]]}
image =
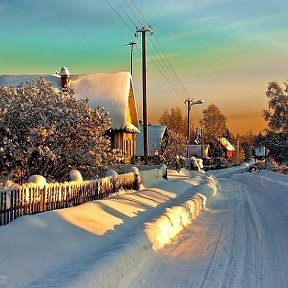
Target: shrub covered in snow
{"points": [[38, 180], [75, 175], [176, 144], [48, 132]]}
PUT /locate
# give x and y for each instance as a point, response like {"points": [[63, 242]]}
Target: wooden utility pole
{"points": [[144, 30]]}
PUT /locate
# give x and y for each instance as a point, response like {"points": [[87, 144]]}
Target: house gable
{"points": [[112, 91]]}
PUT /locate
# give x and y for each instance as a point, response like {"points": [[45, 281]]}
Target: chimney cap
{"points": [[64, 71]]}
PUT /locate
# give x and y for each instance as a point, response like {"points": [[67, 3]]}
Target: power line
{"points": [[161, 60], [135, 8], [122, 9], [164, 72], [119, 15], [171, 67], [163, 67]]}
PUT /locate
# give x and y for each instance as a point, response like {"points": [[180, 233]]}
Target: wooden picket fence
{"points": [[17, 202]]}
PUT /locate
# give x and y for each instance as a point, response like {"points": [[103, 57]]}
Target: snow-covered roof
{"points": [[201, 151], [113, 91], [228, 146], [155, 136]]}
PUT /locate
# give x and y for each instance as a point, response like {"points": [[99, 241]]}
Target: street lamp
{"points": [[189, 104], [132, 43]]}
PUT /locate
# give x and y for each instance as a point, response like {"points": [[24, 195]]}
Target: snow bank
{"points": [[129, 258], [107, 240], [112, 173], [150, 177], [117, 267], [173, 221]]}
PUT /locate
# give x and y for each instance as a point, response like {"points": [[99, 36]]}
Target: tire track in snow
{"points": [[233, 273], [274, 266]]}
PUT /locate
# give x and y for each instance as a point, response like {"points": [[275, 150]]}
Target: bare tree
{"points": [[175, 120], [214, 124]]}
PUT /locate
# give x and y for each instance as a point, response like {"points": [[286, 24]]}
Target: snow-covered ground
{"points": [[238, 240]]}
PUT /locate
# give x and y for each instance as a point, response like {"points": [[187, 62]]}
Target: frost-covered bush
{"points": [[48, 132], [176, 144]]}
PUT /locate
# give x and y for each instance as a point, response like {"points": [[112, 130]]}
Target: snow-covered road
{"points": [[241, 241]]}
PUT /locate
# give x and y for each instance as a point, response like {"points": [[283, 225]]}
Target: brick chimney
{"points": [[65, 77]]}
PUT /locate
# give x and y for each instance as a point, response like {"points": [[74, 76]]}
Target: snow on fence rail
{"points": [[30, 199]]}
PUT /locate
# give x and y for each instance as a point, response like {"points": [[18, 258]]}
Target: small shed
{"points": [[200, 151], [261, 152], [156, 135], [229, 148]]}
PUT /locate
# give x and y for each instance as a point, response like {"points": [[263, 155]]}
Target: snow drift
{"points": [[173, 221]]}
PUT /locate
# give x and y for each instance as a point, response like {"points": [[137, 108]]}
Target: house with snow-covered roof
{"points": [[229, 148], [112, 91]]}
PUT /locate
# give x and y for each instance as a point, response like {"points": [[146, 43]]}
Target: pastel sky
{"points": [[224, 51]]}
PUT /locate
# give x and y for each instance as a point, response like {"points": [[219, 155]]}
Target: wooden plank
{"points": [[1, 209]]}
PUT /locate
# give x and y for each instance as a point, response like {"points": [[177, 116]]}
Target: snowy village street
{"points": [[241, 242], [239, 239]]}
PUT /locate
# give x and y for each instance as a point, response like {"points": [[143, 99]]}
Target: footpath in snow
{"points": [[103, 243]]}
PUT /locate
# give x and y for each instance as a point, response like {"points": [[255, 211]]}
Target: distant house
{"points": [[156, 134], [229, 148], [113, 91], [261, 152], [200, 151]]}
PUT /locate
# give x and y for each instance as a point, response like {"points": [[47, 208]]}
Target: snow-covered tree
{"points": [[277, 113], [48, 132], [176, 144], [277, 143], [276, 116]]}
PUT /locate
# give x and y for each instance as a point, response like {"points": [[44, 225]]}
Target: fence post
{"points": [[1, 209], [4, 206], [44, 190], [136, 184], [12, 195]]}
